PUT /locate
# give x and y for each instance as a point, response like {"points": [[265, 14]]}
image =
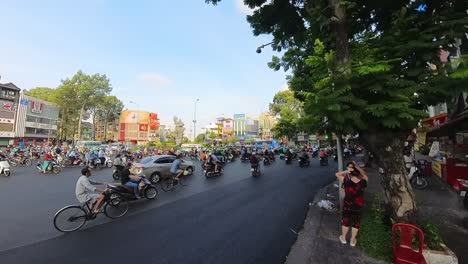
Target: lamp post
{"points": [[138, 120], [259, 49], [195, 120]]}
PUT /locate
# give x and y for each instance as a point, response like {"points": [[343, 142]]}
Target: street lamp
{"points": [[259, 49], [195, 120], [138, 120]]}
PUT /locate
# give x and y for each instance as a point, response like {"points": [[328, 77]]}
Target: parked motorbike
{"points": [[210, 170], [54, 167], [123, 192], [304, 162], [255, 169], [323, 161], [416, 175], [463, 186], [5, 167]]}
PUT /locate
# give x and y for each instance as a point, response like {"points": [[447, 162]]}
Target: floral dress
{"points": [[353, 202]]}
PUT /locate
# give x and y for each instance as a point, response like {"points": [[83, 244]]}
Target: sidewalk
{"points": [[318, 241]]}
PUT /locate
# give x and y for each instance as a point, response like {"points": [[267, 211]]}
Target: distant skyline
{"points": [[160, 55]]}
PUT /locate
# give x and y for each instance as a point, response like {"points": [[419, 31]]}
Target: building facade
{"points": [[105, 130], [238, 125], [9, 98], [36, 121], [138, 127], [266, 123]]}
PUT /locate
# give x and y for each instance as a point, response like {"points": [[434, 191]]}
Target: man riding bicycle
{"points": [[176, 170], [86, 192]]}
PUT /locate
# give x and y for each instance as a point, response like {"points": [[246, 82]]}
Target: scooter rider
{"points": [[130, 179], [213, 160], [254, 161]]}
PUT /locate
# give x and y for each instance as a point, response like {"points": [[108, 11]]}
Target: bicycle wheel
{"points": [[14, 162], [70, 218], [27, 162], [115, 210], [167, 184]]}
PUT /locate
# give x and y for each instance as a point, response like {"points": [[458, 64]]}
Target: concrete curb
{"points": [[302, 250]]}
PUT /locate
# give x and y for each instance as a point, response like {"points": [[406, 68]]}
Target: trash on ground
{"points": [[325, 204]]}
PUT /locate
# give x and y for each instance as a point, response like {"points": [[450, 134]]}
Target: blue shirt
{"points": [[175, 165]]}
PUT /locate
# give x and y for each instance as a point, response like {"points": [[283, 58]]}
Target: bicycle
{"points": [[77, 215], [169, 184]]}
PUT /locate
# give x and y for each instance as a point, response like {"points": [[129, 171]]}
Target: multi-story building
{"points": [[266, 123], [36, 121], [251, 128], [238, 125], [138, 127], [9, 98], [105, 130]]}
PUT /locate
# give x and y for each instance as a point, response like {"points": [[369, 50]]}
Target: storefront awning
{"points": [[455, 125]]}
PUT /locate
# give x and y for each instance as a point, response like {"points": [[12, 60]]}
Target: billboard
{"points": [[220, 128], [238, 116], [134, 117], [227, 126], [154, 121]]}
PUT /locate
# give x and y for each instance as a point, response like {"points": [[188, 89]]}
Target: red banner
{"points": [[143, 127], [154, 121]]}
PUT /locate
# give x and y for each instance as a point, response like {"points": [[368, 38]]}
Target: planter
{"points": [[446, 256]]}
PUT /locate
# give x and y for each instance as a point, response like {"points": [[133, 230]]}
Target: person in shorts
{"points": [[176, 170], [87, 193]]}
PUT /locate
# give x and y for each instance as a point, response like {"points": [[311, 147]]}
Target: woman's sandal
{"points": [[343, 241], [353, 243]]}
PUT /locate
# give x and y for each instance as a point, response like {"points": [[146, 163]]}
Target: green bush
{"points": [[432, 236], [375, 238]]}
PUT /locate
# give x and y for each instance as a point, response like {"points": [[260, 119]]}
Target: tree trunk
{"points": [[79, 121], [339, 153], [388, 148]]}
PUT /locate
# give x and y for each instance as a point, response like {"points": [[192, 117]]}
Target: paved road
{"points": [[231, 219]]}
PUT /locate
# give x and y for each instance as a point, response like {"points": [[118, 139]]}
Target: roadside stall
{"points": [[449, 149]]}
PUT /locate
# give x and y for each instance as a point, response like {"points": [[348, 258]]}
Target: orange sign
{"points": [[154, 121], [143, 127]]}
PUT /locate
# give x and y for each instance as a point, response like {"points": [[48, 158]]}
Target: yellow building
{"points": [[266, 123]]}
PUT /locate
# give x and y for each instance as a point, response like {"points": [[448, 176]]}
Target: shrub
{"points": [[375, 238], [432, 236]]}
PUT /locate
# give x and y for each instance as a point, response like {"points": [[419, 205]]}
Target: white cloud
{"points": [[153, 80], [243, 8]]}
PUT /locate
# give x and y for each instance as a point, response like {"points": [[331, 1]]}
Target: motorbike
{"points": [[416, 175], [54, 167], [255, 169], [209, 170], [304, 162], [109, 163], [463, 187], [123, 192], [116, 172], [15, 161], [266, 161], [245, 157], [76, 162], [96, 164], [323, 161], [314, 154], [5, 167], [288, 159]]}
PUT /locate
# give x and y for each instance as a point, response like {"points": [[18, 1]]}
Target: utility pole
{"points": [[195, 120]]}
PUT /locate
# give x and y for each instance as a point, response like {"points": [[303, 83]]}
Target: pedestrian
{"points": [[354, 182]]}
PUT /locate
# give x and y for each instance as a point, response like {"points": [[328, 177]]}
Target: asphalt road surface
{"points": [[230, 219]]}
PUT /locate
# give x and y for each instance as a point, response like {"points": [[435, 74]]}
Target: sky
{"points": [[162, 55]]}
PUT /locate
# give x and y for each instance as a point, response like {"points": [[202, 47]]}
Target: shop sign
{"points": [[8, 106], [7, 120], [436, 121], [7, 134], [220, 128], [143, 127], [36, 107], [238, 116], [437, 168]]}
